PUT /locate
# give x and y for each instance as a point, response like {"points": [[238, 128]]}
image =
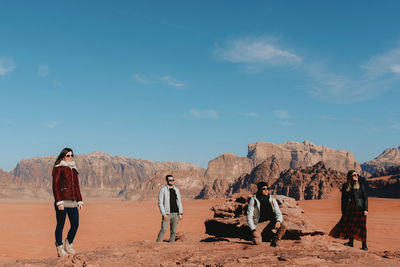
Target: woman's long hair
{"points": [[62, 155], [350, 182]]}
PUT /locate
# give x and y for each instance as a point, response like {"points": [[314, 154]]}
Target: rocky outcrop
{"points": [[5, 177], [230, 219], [268, 171], [314, 182], [221, 172], [228, 167], [229, 174], [98, 172], [387, 186], [389, 158], [294, 155]]}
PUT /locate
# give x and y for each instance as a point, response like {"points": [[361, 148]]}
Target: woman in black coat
{"points": [[353, 223]]}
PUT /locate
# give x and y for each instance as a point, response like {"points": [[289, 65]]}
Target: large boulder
{"points": [[230, 219]]}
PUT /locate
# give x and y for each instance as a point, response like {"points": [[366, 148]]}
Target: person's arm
{"points": [[80, 201], [57, 186], [365, 199], [343, 199], [250, 214], [278, 213], [161, 201], [179, 200]]}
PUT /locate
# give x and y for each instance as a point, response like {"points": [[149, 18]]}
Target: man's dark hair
{"points": [[261, 185], [169, 175]]}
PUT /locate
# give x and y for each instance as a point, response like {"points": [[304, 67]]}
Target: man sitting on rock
{"points": [[264, 217]]}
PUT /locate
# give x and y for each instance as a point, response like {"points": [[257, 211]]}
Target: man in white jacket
{"points": [[264, 216], [170, 205]]}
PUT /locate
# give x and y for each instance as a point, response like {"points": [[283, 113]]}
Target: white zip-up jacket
{"points": [[253, 211], [163, 200]]}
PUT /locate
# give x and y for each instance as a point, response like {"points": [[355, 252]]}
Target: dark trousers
{"points": [[73, 216]]}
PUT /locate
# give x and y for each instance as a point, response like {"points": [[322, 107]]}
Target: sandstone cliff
{"points": [[229, 174], [293, 155], [314, 182], [100, 174], [389, 158]]}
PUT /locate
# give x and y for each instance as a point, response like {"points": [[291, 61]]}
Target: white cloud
{"points": [[168, 80], [203, 114], [43, 70], [51, 124], [395, 68], [252, 114], [140, 78], [282, 114], [6, 65], [385, 63], [258, 51]]}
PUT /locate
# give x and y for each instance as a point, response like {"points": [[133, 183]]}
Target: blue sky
{"points": [[189, 80]]}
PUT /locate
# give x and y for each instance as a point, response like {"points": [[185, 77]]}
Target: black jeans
{"points": [[73, 216]]}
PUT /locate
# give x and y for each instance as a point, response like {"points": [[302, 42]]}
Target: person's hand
{"points": [[180, 216], [165, 217], [277, 225], [256, 234], [365, 212], [80, 206], [61, 207]]}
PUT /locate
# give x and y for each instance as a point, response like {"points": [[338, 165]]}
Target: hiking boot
{"points": [[61, 251], [349, 244], [69, 247], [364, 246]]}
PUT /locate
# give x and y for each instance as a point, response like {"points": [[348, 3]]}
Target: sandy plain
{"points": [[27, 228]]}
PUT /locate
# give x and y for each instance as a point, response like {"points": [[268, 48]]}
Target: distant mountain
{"points": [[100, 174], [390, 158]]}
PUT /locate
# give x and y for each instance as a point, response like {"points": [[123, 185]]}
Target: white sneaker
{"points": [[69, 247], [61, 251]]}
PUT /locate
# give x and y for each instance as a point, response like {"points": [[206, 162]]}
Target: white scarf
{"points": [[70, 164]]}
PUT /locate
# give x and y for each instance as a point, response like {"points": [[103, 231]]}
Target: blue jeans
{"points": [[73, 217]]}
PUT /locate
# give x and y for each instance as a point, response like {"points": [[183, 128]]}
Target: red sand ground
{"points": [[27, 229]]}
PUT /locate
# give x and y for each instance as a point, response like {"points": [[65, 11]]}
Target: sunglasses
{"points": [[354, 174], [171, 180], [264, 188], [69, 156]]}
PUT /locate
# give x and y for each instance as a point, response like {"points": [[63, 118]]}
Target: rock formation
{"points": [[388, 186], [389, 158], [230, 219], [294, 155], [268, 171], [229, 174], [314, 182], [100, 174]]}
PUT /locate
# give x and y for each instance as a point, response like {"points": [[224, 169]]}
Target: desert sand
{"points": [[27, 232]]}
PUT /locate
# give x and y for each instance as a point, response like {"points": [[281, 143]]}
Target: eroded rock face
{"points": [[387, 186], [389, 158], [228, 167], [268, 171], [230, 219], [294, 155], [314, 182], [98, 172]]}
